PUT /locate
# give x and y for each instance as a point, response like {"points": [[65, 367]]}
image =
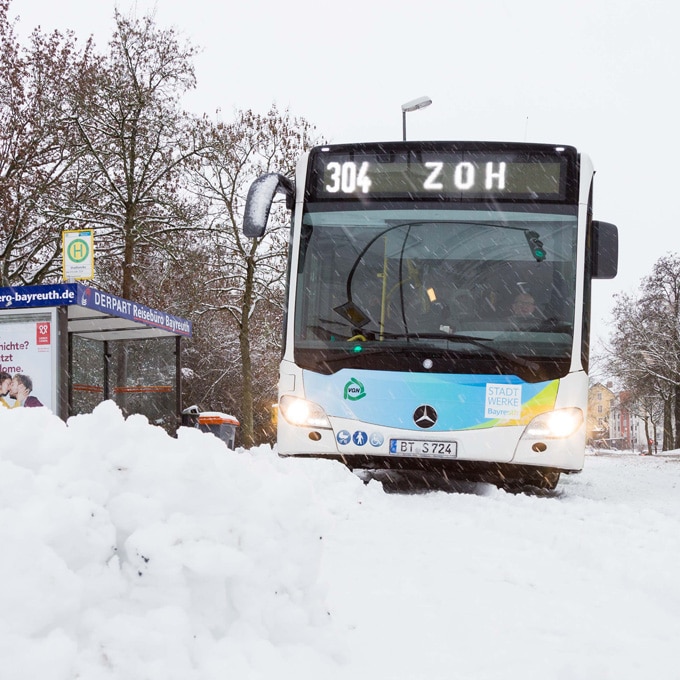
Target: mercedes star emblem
{"points": [[425, 416]]}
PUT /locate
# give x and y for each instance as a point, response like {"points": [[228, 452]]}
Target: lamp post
{"points": [[413, 105]]}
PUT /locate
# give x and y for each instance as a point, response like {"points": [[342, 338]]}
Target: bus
{"points": [[438, 307]]}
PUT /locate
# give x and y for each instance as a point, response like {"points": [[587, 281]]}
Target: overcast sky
{"points": [[600, 75]]}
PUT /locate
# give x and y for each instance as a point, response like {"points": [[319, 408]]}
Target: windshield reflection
{"points": [[469, 285]]}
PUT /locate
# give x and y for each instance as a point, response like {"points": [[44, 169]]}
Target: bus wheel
{"points": [[548, 480], [545, 481]]}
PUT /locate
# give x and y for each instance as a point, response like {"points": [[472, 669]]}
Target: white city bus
{"points": [[438, 306]]}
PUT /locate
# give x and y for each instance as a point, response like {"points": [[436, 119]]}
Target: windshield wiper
{"points": [[472, 340], [450, 337], [350, 352]]}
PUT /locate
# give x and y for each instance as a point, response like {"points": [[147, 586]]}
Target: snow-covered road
{"points": [[482, 584]]}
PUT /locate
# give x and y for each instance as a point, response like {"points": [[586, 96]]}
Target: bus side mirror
{"points": [[604, 250], [259, 202]]}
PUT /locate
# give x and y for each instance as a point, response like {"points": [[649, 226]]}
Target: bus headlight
{"points": [[558, 424], [303, 413]]}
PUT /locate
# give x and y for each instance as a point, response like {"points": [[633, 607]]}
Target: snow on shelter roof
{"points": [[97, 315]]}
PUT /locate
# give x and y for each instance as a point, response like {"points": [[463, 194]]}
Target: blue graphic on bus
{"points": [[376, 439], [359, 437], [462, 402], [344, 437]]}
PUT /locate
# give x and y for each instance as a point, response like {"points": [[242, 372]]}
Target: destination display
{"points": [[431, 172]]}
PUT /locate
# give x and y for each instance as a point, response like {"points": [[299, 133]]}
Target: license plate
{"points": [[418, 447]]}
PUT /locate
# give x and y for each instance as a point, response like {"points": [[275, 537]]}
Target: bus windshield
{"points": [[444, 287]]}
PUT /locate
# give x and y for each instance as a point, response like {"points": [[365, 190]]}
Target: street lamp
{"points": [[413, 105]]}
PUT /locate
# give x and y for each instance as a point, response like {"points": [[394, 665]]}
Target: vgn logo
{"points": [[354, 390]]}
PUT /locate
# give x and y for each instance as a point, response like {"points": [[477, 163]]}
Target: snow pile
{"points": [[129, 554]]}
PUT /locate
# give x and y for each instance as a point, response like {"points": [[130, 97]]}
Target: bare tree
{"points": [[139, 143], [661, 294], [645, 348], [246, 277], [39, 85]]}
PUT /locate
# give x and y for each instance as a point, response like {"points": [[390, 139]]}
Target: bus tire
{"points": [[545, 481]]}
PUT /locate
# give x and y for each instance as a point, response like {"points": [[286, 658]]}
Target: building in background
{"points": [[600, 399], [616, 422], [627, 426]]}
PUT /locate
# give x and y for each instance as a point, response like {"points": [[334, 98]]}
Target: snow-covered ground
{"points": [[129, 555]]}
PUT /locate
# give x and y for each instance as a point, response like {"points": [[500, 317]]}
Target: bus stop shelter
{"points": [[39, 328]]}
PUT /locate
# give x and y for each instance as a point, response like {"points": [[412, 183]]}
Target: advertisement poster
{"points": [[27, 352]]}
